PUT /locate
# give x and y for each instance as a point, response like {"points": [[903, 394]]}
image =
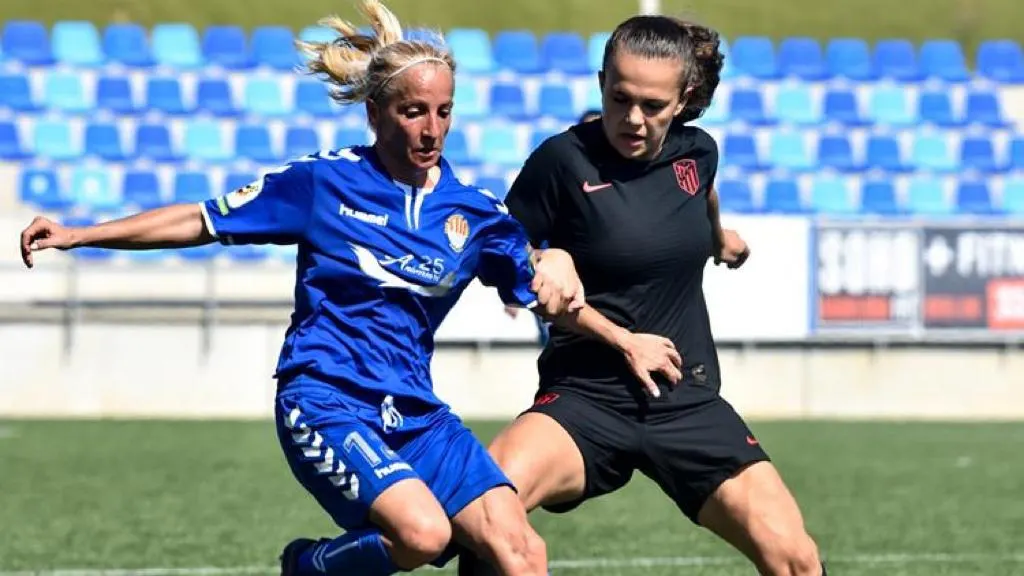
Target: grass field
{"points": [[881, 498]]}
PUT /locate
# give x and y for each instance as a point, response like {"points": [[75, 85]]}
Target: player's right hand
{"points": [[44, 233], [647, 353]]}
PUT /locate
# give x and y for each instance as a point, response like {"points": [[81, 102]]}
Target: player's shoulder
{"points": [[475, 198]]}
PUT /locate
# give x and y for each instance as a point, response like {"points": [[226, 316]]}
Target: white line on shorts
{"points": [[896, 558]]}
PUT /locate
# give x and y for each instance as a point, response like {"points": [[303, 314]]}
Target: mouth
{"points": [[426, 154], [632, 140]]}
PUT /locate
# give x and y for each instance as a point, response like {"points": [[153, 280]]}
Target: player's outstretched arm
{"points": [[175, 226]]}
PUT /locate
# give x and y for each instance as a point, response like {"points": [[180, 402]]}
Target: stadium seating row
{"points": [[181, 45], [85, 190]]}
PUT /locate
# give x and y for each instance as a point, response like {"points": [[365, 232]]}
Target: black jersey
{"points": [[640, 236]]}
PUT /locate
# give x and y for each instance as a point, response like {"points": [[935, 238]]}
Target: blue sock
{"points": [[360, 552]]}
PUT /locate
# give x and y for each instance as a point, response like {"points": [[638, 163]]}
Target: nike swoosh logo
{"points": [[588, 187], [752, 441]]}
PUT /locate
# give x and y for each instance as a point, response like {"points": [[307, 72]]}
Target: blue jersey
{"points": [[380, 264]]}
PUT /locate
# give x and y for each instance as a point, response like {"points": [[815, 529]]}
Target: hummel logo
{"points": [[588, 187]]}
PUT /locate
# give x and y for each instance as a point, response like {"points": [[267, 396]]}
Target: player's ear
{"points": [[683, 99], [372, 113]]}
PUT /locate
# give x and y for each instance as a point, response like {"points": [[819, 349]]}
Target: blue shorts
{"points": [[346, 456]]}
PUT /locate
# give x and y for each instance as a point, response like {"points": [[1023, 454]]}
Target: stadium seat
{"points": [[517, 50], [203, 141], [1015, 160], [114, 94], [836, 152], [788, 150], [943, 60], [926, 196], [555, 100], [830, 195], [747, 106], [11, 147], [472, 50], [896, 60], [311, 97], [931, 153], [494, 185], [153, 141], [62, 91], [300, 141], [225, 46], [141, 189], [213, 95], [783, 196], [850, 58], [39, 187], [802, 58], [425, 35], [274, 47], [936, 108], [735, 196], [508, 100], [104, 141], [127, 44], [456, 148], [77, 43], [755, 56], [974, 198], [164, 95], [564, 52], [176, 45], [52, 140], [26, 41], [498, 145], [16, 93], [348, 137], [1001, 61], [263, 97], [983, 108], [595, 50], [889, 105], [192, 187], [795, 105], [879, 198], [717, 113], [469, 99], [841, 106], [741, 150], [90, 188], [319, 34], [1013, 196], [252, 142], [977, 153], [883, 153]]}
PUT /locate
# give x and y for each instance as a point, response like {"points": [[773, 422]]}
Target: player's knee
{"points": [[422, 539]]}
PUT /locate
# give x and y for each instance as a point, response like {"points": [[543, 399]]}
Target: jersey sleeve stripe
{"points": [[207, 221]]}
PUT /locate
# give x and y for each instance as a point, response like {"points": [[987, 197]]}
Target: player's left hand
{"points": [[731, 249], [556, 283]]}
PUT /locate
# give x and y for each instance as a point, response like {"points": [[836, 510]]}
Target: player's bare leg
{"points": [[416, 528], [494, 526], [756, 513]]}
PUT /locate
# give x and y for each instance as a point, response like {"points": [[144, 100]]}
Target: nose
{"points": [[635, 116], [431, 128]]}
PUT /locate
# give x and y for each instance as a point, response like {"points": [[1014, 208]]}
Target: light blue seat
{"points": [[926, 196], [789, 150], [90, 187], [931, 152], [263, 97], [889, 105], [498, 145], [63, 91], [472, 49], [795, 105], [176, 44], [469, 99], [51, 139], [595, 49], [203, 141], [830, 195], [77, 43], [1013, 196], [39, 187]]}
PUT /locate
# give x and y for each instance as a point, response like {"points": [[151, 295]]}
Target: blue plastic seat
{"points": [[127, 44], [469, 99], [90, 187], [735, 196], [850, 58], [213, 95], [40, 187], [931, 152], [896, 59], [841, 106], [747, 106], [192, 186], [978, 153], [1000, 60], [16, 93], [883, 153], [926, 196], [783, 196], [26, 41], [794, 105], [974, 198], [789, 151], [274, 47], [943, 60], [1013, 196], [755, 56], [935, 107], [517, 50], [472, 49], [114, 94], [347, 137], [263, 97], [164, 95], [77, 43], [252, 141], [889, 105], [104, 141], [836, 152], [11, 147], [456, 148], [203, 141], [176, 44], [741, 150], [311, 97], [1015, 159], [141, 189], [830, 195], [565, 52], [300, 141], [555, 100], [498, 145], [717, 113], [493, 184], [983, 108], [317, 33], [225, 46], [64, 92], [595, 49], [508, 100], [879, 197], [153, 141], [802, 58], [52, 139]]}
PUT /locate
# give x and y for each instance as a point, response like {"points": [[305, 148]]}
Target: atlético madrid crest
{"points": [[687, 175], [456, 229]]}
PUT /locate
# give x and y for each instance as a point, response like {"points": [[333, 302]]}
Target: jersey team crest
{"points": [[687, 175], [456, 229]]}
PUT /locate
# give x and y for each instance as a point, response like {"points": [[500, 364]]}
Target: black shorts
{"points": [[689, 452]]}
